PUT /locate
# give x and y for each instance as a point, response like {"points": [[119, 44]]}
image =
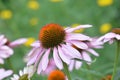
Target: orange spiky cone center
{"points": [[116, 30], [51, 35], [56, 75]]}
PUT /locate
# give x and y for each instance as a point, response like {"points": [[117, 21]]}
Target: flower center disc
{"points": [[51, 35], [56, 75], [116, 30]]}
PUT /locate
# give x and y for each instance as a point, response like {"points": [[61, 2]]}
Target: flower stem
{"points": [[90, 77], [10, 64], [116, 59], [67, 71]]}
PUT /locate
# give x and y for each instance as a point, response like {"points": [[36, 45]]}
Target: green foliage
{"points": [[66, 13]]}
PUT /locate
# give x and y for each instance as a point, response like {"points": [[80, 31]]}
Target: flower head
{"points": [[56, 75], [5, 73], [85, 53], [6, 47], [26, 74], [111, 36], [54, 38]]}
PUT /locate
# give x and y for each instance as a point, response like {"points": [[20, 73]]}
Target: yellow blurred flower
{"points": [[34, 21], [29, 41], [34, 5], [77, 31], [105, 28], [56, 0], [104, 2], [6, 14]]}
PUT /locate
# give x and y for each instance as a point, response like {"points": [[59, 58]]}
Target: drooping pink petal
{"points": [[71, 66], [86, 57], [1, 61], [57, 59], [64, 57], [45, 59], [110, 35], [33, 57], [79, 44], [5, 73], [3, 41], [78, 64], [73, 51], [39, 69], [93, 52], [39, 56], [8, 50], [117, 36]]}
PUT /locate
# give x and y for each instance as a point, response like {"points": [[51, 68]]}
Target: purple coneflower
{"points": [[85, 53], [53, 38], [6, 47], [4, 73], [111, 36]]}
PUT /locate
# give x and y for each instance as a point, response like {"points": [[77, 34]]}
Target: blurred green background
{"points": [[24, 18]]}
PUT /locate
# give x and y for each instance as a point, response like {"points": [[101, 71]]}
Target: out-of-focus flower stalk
{"points": [[116, 59], [67, 71]]}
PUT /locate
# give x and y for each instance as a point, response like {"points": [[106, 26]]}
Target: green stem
{"points": [[90, 77], [67, 71], [10, 64], [116, 60]]}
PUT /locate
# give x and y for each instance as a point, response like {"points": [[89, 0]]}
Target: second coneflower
{"points": [[53, 37]]}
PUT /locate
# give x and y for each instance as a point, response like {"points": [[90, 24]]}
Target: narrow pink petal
{"points": [[86, 57], [41, 53], [18, 42], [1, 61], [3, 41], [78, 64], [75, 36], [45, 59], [36, 44], [73, 51], [110, 35], [79, 44], [33, 58], [3, 54], [78, 27], [39, 70], [93, 52], [57, 59], [8, 50], [5, 74], [64, 57], [71, 65], [117, 36]]}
